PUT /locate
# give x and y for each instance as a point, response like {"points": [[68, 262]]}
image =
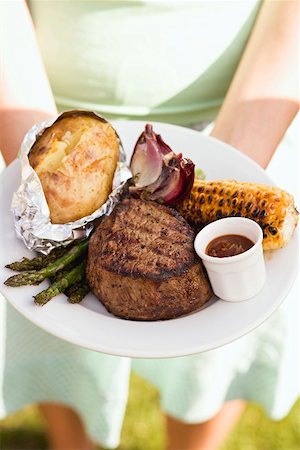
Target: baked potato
{"points": [[75, 160]]}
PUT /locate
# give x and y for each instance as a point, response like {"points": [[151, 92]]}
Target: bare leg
{"points": [[207, 435], [64, 428]]}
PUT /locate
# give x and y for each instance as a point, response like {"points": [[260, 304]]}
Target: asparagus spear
{"points": [[35, 277], [58, 275], [77, 291], [59, 286], [39, 262]]}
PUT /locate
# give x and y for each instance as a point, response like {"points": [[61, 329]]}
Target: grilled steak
{"points": [[142, 264]]}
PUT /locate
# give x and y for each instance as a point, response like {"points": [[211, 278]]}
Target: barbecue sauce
{"points": [[228, 245]]}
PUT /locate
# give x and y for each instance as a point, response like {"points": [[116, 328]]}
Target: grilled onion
{"points": [[158, 173]]}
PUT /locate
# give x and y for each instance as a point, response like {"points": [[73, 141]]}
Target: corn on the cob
{"points": [[272, 208]]}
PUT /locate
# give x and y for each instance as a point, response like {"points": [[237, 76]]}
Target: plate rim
{"points": [[156, 354]]}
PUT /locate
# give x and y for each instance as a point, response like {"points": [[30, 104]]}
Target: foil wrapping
{"points": [[30, 209]]}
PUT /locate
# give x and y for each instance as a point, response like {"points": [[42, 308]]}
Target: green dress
{"points": [[166, 61]]}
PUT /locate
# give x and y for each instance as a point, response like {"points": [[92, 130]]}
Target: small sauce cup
{"points": [[239, 277]]}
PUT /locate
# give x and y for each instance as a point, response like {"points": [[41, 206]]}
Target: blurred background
{"points": [[144, 425], [144, 429]]}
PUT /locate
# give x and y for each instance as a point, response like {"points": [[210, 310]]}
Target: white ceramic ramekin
{"points": [[234, 278]]}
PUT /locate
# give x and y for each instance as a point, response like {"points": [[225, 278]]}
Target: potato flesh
{"points": [[60, 149], [75, 160]]}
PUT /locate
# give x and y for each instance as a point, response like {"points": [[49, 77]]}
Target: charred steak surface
{"points": [[142, 264]]}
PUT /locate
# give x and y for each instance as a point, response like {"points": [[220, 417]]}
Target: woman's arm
{"points": [[25, 94], [263, 97]]}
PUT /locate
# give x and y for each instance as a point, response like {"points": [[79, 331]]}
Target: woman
{"points": [[168, 61]]}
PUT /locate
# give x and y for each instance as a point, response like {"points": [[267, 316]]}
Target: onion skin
{"points": [[158, 173], [184, 187], [163, 146], [146, 161]]}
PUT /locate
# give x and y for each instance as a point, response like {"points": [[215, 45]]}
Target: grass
{"points": [[144, 427]]}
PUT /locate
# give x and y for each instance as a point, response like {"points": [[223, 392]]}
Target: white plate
{"points": [[89, 325]]}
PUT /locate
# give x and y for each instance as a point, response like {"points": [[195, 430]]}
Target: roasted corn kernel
{"points": [[272, 208]]}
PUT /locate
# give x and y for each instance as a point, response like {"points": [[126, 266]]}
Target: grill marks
{"points": [[145, 239], [142, 265], [272, 208]]}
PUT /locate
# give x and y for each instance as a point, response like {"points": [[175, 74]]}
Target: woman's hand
{"points": [[25, 93], [263, 97]]}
